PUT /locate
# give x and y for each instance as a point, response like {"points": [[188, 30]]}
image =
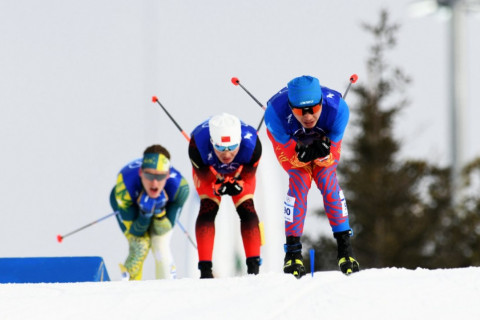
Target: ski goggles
{"points": [[299, 111], [223, 148], [155, 176]]}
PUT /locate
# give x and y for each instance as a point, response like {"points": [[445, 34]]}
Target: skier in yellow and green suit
{"points": [[149, 196]]}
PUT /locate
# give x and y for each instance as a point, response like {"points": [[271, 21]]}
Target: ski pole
{"points": [[155, 99], [353, 79], [236, 82], [186, 233], [60, 237]]}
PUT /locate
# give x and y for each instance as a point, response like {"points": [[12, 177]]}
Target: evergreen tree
{"points": [[400, 211]]}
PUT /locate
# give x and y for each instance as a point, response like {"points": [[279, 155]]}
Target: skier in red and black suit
{"points": [[225, 153]]}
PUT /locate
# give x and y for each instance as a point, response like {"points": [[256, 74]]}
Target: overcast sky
{"points": [[76, 81]]}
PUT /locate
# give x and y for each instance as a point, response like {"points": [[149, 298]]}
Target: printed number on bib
{"points": [[289, 205], [344, 204]]}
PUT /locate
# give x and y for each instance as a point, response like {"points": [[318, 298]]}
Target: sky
{"points": [[76, 81], [370, 294]]}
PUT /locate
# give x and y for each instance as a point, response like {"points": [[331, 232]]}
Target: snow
{"points": [[390, 293]]}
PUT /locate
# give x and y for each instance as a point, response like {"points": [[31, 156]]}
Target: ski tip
{"points": [[59, 238], [154, 99], [235, 81], [353, 78]]}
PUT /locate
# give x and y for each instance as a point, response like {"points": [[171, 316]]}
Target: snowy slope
{"points": [[371, 294]]}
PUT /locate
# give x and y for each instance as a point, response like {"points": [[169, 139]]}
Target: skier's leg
{"points": [[138, 248], [205, 234], [295, 205], [337, 214], [250, 230], [295, 209], [333, 198], [164, 262]]}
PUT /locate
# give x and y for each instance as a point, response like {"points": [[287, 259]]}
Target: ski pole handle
{"points": [[353, 79]]}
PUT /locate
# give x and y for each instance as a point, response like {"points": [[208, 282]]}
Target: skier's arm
{"points": [[340, 123], [201, 169], [175, 205], [129, 211], [275, 126], [250, 168]]}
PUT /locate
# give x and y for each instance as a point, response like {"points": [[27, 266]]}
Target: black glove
{"points": [[234, 186], [230, 186], [318, 149], [219, 187]]}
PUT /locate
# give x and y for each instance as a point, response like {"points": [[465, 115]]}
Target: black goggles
{"points": [[153, 176]]}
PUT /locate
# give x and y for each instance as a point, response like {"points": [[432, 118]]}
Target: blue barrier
{"points": [[52, 269]]}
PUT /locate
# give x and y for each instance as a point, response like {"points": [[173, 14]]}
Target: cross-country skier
{"points": [[225, 153], [149, 195], [305, 123]]}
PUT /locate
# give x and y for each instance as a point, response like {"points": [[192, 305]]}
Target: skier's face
{"points": [[153, 181], [308, 119], [226, 156]]}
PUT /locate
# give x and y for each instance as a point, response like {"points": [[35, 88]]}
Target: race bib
{"points": [[344, 204], [288, 208]]}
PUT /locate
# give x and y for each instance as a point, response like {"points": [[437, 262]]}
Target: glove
{"points": [[318, 149], [149, 206], [230, 186], [219, 188], [234, 186]]}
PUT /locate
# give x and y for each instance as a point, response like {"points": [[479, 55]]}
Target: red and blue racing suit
{"points": [[285, 131]]}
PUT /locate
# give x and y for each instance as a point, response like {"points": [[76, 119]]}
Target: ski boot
{"points": [[293, 257], [205, 268], [253, 265], [345, 259], [124, 272]]}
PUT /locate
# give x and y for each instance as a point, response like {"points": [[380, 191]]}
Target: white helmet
{"points": [[225, 130]]}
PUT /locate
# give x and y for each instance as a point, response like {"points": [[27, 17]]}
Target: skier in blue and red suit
{"points": [[225, 153], [305, 123]]}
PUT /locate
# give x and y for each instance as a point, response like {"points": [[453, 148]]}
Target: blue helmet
{"points": [[304, 91]]}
